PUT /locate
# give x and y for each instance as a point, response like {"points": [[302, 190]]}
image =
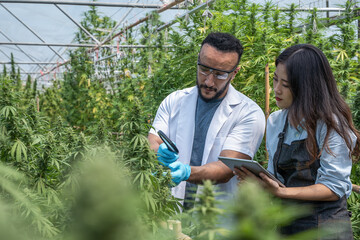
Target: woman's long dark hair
{"points": [[316, 97]]}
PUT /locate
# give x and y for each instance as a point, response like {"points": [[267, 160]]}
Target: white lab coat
{"points": [[238, 124]]}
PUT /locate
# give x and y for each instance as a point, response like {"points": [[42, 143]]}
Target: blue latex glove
{"points": [[165, 156], [179, 171]]}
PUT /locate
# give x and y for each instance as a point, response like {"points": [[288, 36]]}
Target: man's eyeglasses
{"points": [[218, 74]]}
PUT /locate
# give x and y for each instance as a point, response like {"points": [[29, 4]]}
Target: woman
{"points": [[310, 141]]}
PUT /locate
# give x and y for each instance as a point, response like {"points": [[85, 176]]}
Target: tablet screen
{"points": [[251, 165]]}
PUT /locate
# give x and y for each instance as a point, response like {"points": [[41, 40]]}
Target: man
{"points": [[208, 120]]}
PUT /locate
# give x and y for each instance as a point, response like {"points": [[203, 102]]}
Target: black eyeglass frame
{"points": [[228, 72]]}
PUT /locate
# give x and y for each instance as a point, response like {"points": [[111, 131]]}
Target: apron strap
{"points": [[281, 137]]}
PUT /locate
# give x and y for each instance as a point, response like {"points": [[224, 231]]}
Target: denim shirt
{"points": [[335, 168]]}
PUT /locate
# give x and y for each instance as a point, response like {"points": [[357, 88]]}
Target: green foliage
{"points": [[205, 217], [4, 71], [110, 103], [356, 108], [50, 101], [257, 215], [354, 207], [34, 92], [82, 100], [146, 172], [103, 205], [21, 209]]}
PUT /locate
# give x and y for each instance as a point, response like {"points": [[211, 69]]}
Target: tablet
{"points": [[251, 165]]}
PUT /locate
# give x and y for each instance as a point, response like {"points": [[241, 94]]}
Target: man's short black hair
{"points": [[224, 42]]}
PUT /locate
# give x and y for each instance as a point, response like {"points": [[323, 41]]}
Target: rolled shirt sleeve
{"points": [[247, 134], [161, 121], [335, 166]]}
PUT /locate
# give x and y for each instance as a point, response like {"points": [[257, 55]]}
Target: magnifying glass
{"points": [[170, 144]]}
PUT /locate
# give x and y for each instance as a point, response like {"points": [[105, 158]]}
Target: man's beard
{"points": [[218, 92]]}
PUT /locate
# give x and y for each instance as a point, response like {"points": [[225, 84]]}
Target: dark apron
{"points": [[294, 164]]}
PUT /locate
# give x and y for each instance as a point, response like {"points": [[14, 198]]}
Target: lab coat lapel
{"points": [[221, 115], [186, 125]]}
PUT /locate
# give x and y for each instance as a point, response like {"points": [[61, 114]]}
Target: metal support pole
{"points": [[311, 9], [183, 15], [77, 45], [52, 69], [77, 24], [20, 49], [327, 13], [31, 30], [170, 5], [10, 59], [30, 63], [117, 25], [33, 73], [267, 92], [358, 20], [97, 4], [53, 58], [267, 99]]}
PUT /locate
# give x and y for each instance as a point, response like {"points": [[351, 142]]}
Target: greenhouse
{"points": [[113, 115]]}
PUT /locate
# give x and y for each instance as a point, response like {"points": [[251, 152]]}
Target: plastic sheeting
{"points": [[53, 26]]}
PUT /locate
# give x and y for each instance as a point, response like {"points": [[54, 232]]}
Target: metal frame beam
{"points": [[10, 58], [37, 73], [77, 24], [311, 9], [183, 15], [116, 26], [170, 5], [20, 49], [98, 4], [160, 8], [76, 45], [36, 68], [30, 63], [175, 2], [281, 9], [33, 32]]}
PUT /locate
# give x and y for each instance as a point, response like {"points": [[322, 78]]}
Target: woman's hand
{"points": [[271, 185], [315, 192], [266, 182], [242, 174]]}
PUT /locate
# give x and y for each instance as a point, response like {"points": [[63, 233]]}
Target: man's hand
{"points": [[179, 172], [165, 156]]}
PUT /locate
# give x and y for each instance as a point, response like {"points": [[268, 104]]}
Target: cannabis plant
{"points": [[257, 215], [206, 216]]}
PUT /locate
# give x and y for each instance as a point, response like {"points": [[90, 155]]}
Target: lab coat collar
{"points": [[186, 124], [221, 115], [186, 128], [232, 98]]}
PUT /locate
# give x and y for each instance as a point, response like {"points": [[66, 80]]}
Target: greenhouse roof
{"points": [[39, 33]]}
